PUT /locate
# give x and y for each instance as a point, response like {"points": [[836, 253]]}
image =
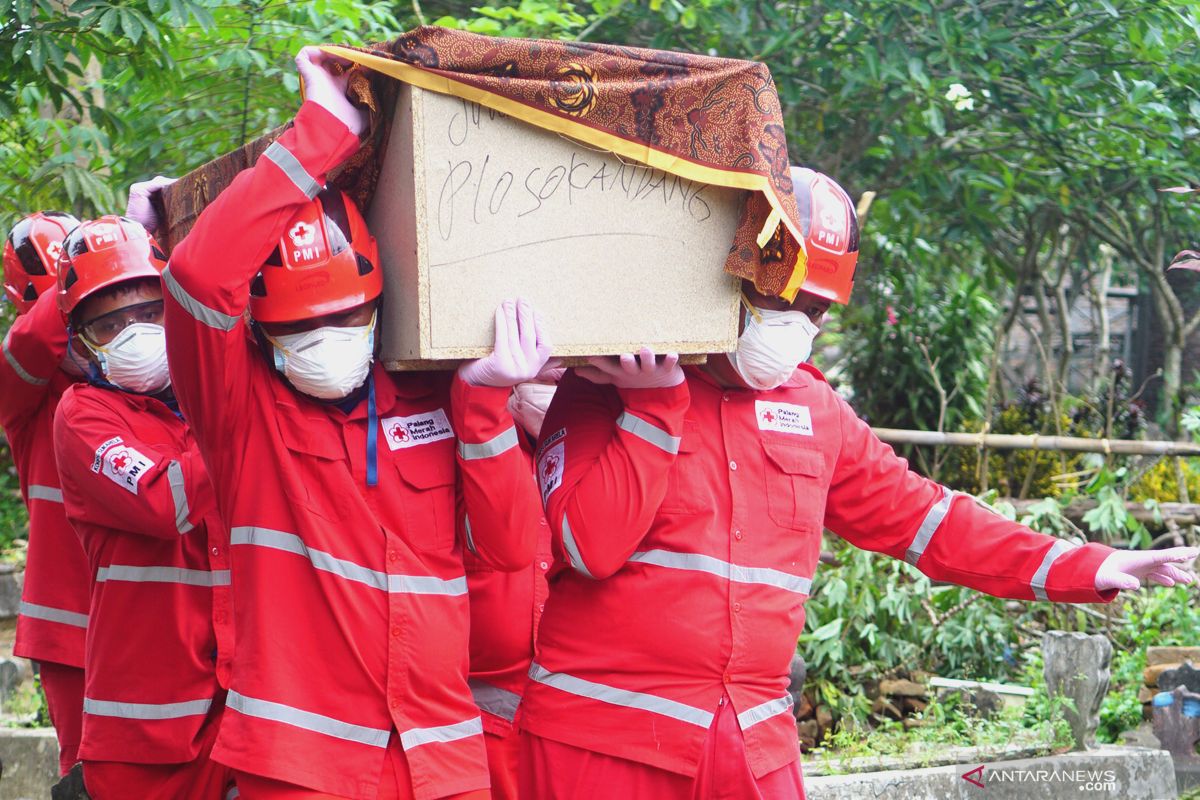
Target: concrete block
{"points": [[473, 207], [1105, 773], [28, 763], [11, 581]]}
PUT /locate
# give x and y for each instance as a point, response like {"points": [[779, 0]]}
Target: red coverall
{"points": [[506, 608], [351, 601], [54, 602], [687, 524], [138, 495]]}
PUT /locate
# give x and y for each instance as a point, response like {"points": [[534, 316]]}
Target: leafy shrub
{"points": [[891, 375], [1159, 482], [873, 616]]}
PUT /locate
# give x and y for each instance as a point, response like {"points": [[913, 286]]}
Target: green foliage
{"points": [[130, 89], [1159, 483], [915, 340], [1040, 723], [872, 616], [529, 18], [27, 707]]}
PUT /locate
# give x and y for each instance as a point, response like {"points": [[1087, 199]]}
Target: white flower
{"points": [[961, 97]]}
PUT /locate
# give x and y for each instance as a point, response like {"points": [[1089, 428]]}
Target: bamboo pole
{"points": [[1001, 441]]}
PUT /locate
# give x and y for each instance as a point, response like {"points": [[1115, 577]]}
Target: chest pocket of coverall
{"points": [[793, 478], [685, 482], [309, 480], [429, 507]]}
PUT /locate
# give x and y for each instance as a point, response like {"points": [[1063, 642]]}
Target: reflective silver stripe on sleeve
{"points": [[621, 697], [397, 584], [307, 720], [200, 312], [187, 577], [467, 532], [109, 708], [45, 493], [492, 447], [929, 525], [281, 157], [696, 562], [50, 614], [416, 737], [1038, 582], [426, 584], [494, 700], [772, 708], [17, 368], [573, 549], [179, 495], [648, 432]]}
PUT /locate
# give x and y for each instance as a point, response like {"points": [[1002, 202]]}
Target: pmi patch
{"points": [[783, 417], [551, 460], [125, 466], [404, 432], [98, 461]]}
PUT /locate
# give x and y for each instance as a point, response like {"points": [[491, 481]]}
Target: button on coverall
{"points": [[687, 523], [53, 614], [138, 495], [350, 600]]}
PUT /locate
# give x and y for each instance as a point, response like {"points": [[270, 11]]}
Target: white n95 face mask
{"points": [[327, 363], [770, 348], [136, 360], [528, 404]]}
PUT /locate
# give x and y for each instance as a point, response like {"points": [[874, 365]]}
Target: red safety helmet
{"points": [[102, 252], [326, 262], [31, 255], [829, 223]]}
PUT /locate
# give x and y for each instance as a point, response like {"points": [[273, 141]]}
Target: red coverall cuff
{"points": [[324, 141], [668, 403], [479, 412], [1074, 580]]}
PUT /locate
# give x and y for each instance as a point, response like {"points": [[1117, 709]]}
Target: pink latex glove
{"points": [[328, 90], [1126, 569], [140, 208], [634, 372], [521, 352]]}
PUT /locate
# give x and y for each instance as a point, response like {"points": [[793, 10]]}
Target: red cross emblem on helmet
{"points": [[399, 433], [303, 233]]}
